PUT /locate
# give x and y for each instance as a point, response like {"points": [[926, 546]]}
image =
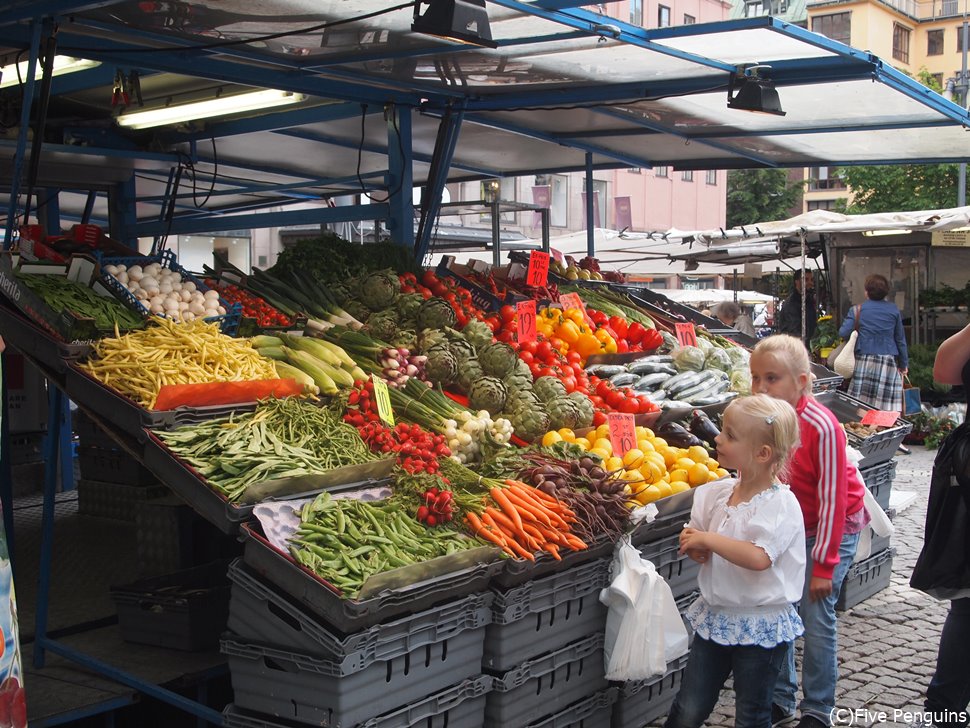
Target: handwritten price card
{"points": [[525, 313], [686, 336], [880, 418], [383, 399], [623, 433], [538, 272]]}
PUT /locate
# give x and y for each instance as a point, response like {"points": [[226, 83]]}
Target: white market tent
{"points": [[692, 296]]}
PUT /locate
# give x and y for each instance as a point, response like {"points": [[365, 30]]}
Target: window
{"points": [[950, 7], [560, 200], [687, 175], [837, 26], [901, 43], [600, 188], [934, 42], [689, 19], [960, 40], [711, 177], [824, 178], [663, 16], [937, 79], [757, 8], [821, 204], [636, 12], [635, 170], [661, 171]]}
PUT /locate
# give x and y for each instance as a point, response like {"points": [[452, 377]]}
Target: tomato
{"points": [[630, 405], [507, 314], [557, 343], [429, 278], [527, 356], [615, 399], [597, 401], [599, 418], [619, 325], [543, 351], [535, 368], [646, 405], [604, 388], [494, 323], [635, 332], [574, 357], [506, 337], [569, 383], [529, 346], [547, 372]]}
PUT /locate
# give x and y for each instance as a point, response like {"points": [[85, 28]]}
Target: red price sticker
{"points": [[686, 335], [623, 432], [538, 272], [525, 312], [880, 418]]}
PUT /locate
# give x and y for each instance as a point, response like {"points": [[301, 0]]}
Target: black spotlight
{"points": [[753, 93], [465, 21]]}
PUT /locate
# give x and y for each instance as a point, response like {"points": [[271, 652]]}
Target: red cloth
{"points": [[825, 482]]}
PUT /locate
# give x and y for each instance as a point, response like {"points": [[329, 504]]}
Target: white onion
{"points": [[141, 294], [188, 286], [111, 270], [185, 295], [183, 306], [221, 310]]}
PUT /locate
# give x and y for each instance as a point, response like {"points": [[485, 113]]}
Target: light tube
{"points": [[219, 106], [62, 65]]}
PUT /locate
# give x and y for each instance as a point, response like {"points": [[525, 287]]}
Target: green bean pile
{"points": [[282, 438], [59, 293], [345, 541]]}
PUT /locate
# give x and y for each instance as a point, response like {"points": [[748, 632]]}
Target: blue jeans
{"points": [[949, 690], [820, 665], [708, 668]]}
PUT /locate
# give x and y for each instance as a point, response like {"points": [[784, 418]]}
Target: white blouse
{"points": [[741, 606]]}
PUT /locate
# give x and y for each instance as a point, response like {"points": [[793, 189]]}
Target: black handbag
{"points": [[943, 567]]}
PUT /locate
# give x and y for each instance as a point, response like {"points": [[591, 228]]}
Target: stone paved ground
{"points": [[887, 643]]}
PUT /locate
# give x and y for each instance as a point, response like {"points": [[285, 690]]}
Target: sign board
{"points": [[538, 273], [623, 432], [525, 316], [880, 418], [686, 335], [951, 239], [383, 399]]}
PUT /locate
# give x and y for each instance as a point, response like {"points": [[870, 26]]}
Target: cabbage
{"points": [[718, 359], [688, 358], [741, 380], [704, 344], [739, 356]]}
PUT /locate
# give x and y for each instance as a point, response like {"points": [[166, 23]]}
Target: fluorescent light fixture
{"points": [[9, 75], [880, 233], [219, 106]]}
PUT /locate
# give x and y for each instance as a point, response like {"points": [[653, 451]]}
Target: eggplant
{"points": [[678, 435], [703, 427]]}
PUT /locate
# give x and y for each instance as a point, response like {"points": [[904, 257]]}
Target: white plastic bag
{"points": [[879, 523], [644, 630]]}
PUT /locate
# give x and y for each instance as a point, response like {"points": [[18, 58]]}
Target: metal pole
{"points": [[496, 234], [964, 81], [590, 232]]}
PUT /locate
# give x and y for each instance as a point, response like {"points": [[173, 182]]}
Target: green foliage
{"points": [[760, 195], [328, 257], [921, 357], [932, 429], [897, 188]]}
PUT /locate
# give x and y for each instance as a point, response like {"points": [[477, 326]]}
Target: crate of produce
{"points": [[458, 706], [296, 686], [484, 299], [643, 701], [879, 480], [877, 447], [115, 276], [112, 465], [256, 314], [591, 712], [673, 513], [545, 614], [260, 613], [351, 615], [546, 684], [679, 571], [114, 500], [186, 610], [866, 578], [520, 571]]}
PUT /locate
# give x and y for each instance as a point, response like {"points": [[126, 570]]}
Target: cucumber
{"points": [[704, 391], [685, 381], [657, 396], [654, 359], [714, 399], [604, 371], [649, 382]]}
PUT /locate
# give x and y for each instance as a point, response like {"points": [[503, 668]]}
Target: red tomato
{"points": [[569, 383], [429, 278], [506, 337], [526, 356], [646, 405], [493, 322], [507, 313], [630, 405], [597, 401], [547, 372], [604, 388], [543, 351], [615, 399], [577, 371], [529, 346], [574, 357], [599, 418]]}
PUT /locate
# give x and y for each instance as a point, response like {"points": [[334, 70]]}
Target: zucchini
{"points": [[649, 382], [657, 396], [642, 367], [604, 371], [685, 381], [623, 379], [703, 391], [714, 399]]}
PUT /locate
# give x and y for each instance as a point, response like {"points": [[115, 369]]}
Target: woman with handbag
{"points": [[881, 355]]}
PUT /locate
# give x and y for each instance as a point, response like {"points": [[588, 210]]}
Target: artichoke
{"points": [[498, 359], [462, 350], [430, 338], [383, 325], [487, 393], [531, 423], [435, 313], [563, 412], [441, 366], [477, 333], [548, 389], [518, 399], [584, 407], [468, 373], [408, 305], [380, 290]]}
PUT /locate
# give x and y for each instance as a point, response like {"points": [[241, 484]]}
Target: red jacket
{"points": [[824, 481]]}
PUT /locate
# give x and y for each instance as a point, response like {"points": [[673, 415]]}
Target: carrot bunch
{"points": [[524, 521]]}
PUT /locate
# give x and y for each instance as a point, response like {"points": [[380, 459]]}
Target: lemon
{"points": [[695, 452], [632, 476], [712, 475], [583, 443], [698, 474], [551, 438], [566, 434], [643, 433], [678, 474], [664, 487], [613, 463], [633, 458], [648, 495], [722, 473], [601, 431], [712, 464], [659, 442], [646, 445], [669, 456], [600, 453], [656, 457], [651, 471], [679, 487], [603, 443], [686, 463]]}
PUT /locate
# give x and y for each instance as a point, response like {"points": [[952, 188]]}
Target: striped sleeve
{"points": [[832, 489]]}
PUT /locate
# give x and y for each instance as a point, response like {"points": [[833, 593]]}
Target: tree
{"points": [[759, 195]]}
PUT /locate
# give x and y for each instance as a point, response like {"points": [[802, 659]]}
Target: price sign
{"points": [[686, 336], [880, 418], [525, 313], [623, 432], [383, 399], [538, 272], [572, 300]]}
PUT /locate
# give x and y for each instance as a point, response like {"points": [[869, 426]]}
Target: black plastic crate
{"points": [[114, 500], [90, 434], [547, 684], [352, 615], [879, 481], [459, 706], [643, 701], [591, 712], [520, 571], [112, 465], [866, 578], [296, 686], [170, 536], [258, 612], [546, 614], [680, 571], [876, 448], [186, 610]]}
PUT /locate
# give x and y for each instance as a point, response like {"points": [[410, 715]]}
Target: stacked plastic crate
{"points": [[292, 664]]}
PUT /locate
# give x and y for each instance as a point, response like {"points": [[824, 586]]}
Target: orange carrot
{"points": [[521, 535], [554, 536], [552, 549], [527, 507], [494, 537], [499, 496], [574, 543]]}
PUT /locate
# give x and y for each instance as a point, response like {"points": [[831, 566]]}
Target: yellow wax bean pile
{"points": [[139, 363]]}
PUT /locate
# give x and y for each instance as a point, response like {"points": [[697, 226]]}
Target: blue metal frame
{"points": [[400, 180], [438, 177]]}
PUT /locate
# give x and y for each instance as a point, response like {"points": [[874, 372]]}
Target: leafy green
{"points": [[330, 258]]}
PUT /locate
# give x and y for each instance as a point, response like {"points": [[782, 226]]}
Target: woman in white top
{"points": [[749, 537]]}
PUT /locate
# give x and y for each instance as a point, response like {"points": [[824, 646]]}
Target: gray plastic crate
{"points": [[866, 578], [879, 480], [680, 572], [112, 465], [459, 706], [546, 684], [546, 614], [876, 448], [643, 701], [881, 543], [591, 712], [114, 500], [261, 613], [296, 686]]}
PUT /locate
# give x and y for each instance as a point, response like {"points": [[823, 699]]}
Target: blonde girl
{"points": [[747, 535], [830, 494]]}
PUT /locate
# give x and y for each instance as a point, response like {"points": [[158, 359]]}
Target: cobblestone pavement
{"points": [[887, 643]]}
